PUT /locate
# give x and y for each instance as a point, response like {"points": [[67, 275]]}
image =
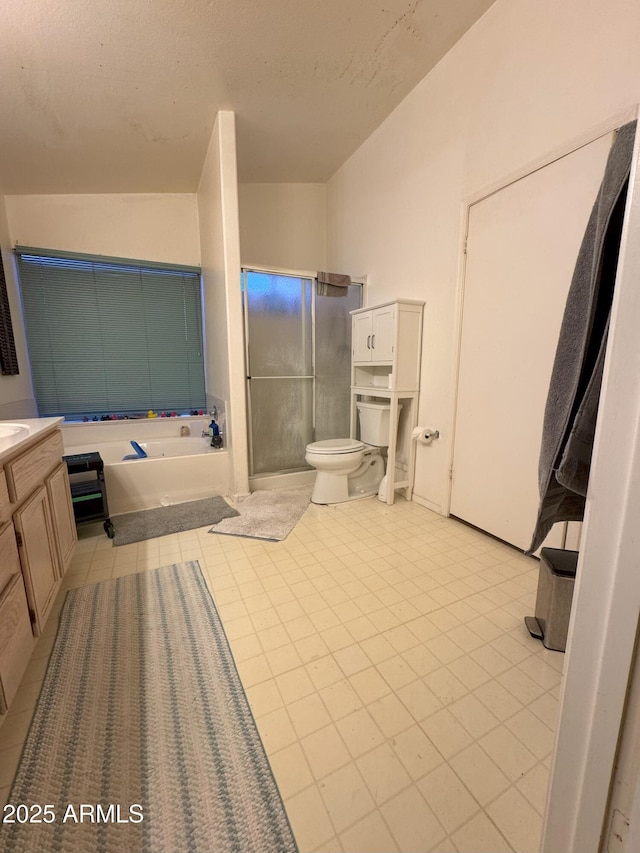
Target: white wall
{"points": [[16, 392], [150, 227], [283, 225], [527, 79], [220, 251]]}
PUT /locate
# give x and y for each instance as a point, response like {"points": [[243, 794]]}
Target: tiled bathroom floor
{"points": [[400, 699]]}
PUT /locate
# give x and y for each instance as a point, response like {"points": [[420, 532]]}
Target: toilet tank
{"points": [[374, 421]]}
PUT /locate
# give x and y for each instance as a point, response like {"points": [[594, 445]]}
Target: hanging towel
{"points": [[574, 390], [333, 284]]}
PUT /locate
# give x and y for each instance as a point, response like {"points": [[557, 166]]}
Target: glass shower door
{"points": [[332, 357], [280, 369]]}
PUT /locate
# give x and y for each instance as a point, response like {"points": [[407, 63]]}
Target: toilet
{"points": [[347, 468]]}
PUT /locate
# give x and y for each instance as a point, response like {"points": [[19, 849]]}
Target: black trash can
{"points": [[555, 595]]}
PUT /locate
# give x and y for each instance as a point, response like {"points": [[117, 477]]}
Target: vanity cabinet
{"points": [[5, 503], [38, 486], [38, 555], [37, 540], [16, 635], [386, 355], [64, 523]]}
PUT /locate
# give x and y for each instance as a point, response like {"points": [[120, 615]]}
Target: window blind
{"points": [[112, 336]]}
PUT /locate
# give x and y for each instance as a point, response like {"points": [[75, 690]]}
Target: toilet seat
{"points": [[336, 446]]}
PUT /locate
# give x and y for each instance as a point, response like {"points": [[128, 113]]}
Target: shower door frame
{"points": [[285, 273]]}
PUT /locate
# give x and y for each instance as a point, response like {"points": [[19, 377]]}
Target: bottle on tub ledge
{"points": [[214, 434]]}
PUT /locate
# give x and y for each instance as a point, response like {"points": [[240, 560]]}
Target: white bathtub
{"points": [[177, 469], [113, 452]]}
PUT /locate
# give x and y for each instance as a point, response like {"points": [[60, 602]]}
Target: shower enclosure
{"points": [[298, 360]]}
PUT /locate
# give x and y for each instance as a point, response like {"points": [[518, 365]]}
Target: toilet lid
{"points": [[336, 445]]}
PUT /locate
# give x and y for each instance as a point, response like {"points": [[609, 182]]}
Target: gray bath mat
{"points": [[163, 520], [143, 722], [266, 515]]}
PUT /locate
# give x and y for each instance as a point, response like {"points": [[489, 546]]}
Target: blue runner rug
{"points": [[143, 739]]}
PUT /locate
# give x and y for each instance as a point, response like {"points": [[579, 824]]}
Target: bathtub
{"points": [[176, 469]]}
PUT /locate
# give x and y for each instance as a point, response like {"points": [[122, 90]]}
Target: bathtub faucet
{"points": [[185, 430]]}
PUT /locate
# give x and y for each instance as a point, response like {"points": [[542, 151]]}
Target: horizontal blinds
{"points": [[109, 337]]}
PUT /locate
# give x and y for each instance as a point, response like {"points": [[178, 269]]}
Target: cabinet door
{"points": [[383, 328], [16, 638], [9, 560], [5, 504], [361, 333], [64, 523], [38, 555]]}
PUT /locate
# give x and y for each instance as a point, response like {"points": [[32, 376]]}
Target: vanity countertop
{"points": [[21, 433]]}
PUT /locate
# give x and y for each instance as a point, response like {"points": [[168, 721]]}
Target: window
{"points": [[110, 336]]}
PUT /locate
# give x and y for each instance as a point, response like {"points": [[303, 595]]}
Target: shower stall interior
{"points": [[298, 361]]}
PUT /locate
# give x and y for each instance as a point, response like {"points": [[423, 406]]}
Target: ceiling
{"points": [[121, 96]]}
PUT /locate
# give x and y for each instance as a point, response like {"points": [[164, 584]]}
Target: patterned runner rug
{"points": [[142, 739]]}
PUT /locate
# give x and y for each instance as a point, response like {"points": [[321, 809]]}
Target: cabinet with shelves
{"points": [[386, 346], [386, 353]]}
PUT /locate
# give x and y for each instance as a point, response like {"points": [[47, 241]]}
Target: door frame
{"points": [[494, 350], [558, 153], [604, 622], [604, 618]]}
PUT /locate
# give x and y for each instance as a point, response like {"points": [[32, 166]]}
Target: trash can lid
{"points": [[560, 561]]}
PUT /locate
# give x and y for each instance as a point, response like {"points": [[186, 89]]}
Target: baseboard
{"points": [[281, 481], [428, 504]]}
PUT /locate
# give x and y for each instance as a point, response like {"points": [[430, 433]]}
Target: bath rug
{"points": [[142, 739], [266, 515], [163, 520]]}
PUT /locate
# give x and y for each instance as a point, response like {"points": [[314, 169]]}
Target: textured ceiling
{"points": [[121, 96]]}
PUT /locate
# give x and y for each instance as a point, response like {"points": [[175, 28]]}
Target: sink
{"points": [[8, 430]]}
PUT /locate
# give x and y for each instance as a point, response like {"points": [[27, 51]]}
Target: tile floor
{"points": [[400, 699]]}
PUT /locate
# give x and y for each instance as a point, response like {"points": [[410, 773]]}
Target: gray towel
{"points": [[574, 389], [333, 284]]}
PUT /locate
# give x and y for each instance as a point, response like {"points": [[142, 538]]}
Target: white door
{"points": [[521, 250]]}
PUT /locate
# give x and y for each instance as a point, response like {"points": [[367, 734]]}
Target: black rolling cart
{"points": [[88, 490]]}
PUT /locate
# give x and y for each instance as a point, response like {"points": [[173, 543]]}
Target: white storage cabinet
{"points": [[386, 353]]}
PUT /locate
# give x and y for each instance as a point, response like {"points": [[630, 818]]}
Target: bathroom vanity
{"points": [[386, 355], [37, 539]]}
